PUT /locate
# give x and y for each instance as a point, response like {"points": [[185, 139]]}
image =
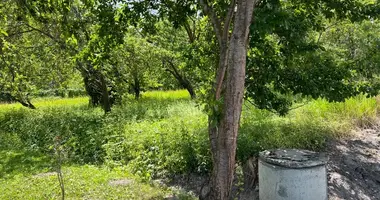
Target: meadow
{"points": [[161, 135]]}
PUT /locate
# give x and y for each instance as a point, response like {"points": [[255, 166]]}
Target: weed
{"points": [[166, 133]]}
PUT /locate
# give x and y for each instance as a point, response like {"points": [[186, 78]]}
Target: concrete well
{"points": [[291, 174]]}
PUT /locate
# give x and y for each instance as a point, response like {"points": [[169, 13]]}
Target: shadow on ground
{"points": [[353, 169], [14, 162], [354, 166]]}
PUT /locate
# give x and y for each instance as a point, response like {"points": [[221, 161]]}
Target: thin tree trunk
{"points": [[136, 87], [250, 172], [105, 96], [190, 89], [185, 83], [27, 104], [223, 136]]}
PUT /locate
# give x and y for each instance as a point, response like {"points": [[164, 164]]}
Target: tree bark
{"points": [[250, 172], [189, 88], [27, 104], [90, 82], [105, 96], [96, 86], [223, 134], [185, 83], [136, 86]]}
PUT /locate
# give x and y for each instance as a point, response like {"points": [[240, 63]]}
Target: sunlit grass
{"points": [[161, 134], [82, 101], [173, 94], [83, 182], [48, 102]]}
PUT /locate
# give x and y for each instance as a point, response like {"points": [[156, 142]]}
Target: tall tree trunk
{"points": [[96, 86], [223, 134]]}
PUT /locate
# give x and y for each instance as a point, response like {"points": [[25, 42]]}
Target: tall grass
{"points": [[47, 102], [165, 132], [171, 94]]}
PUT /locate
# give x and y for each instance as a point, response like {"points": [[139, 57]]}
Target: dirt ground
{"points": [[353, 169], [354, 166]]}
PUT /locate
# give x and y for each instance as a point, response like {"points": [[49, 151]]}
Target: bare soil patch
{"points": [[353, 169], [354, 166], [120, 182]]}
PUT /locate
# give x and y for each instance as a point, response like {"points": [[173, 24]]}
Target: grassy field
{"points": [[164, 133]]}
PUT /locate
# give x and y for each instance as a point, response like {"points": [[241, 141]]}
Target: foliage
{"points": [[288, 57], [188, 52], [308, 127], [164, 133], [172, 145], [28, 62]]}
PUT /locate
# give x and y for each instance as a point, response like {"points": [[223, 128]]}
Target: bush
{"points": [[173, 140], [153, 136], [307, 127], [167, 134], [78, 128]]}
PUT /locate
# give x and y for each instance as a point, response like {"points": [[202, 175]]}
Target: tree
{"points": [[80, 28], [187, 53], [355, 44], [27, 60], [136, 64], [288, 56], [172, 41]]}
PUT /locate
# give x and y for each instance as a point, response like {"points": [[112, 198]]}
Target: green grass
{"points": [[48, 102], [22, 162], [164, 133], [160, 95], [84, 182]]}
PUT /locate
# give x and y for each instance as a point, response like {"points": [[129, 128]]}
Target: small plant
{"points": [[58, 148]]}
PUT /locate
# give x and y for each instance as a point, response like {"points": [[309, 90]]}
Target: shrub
{"points": [[166, 133], [78, 128], [176, 142]]}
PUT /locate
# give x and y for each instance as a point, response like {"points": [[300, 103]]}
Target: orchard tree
{"points": [[28, 63], [188, 52], [136, 65], [356, 44], [172, 42], [80, 28], [290, 55]]}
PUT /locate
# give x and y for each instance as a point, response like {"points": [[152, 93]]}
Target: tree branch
{"points": [[190, 33], [209, 11], [228, 19], [42, 32], [19, 33]]}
